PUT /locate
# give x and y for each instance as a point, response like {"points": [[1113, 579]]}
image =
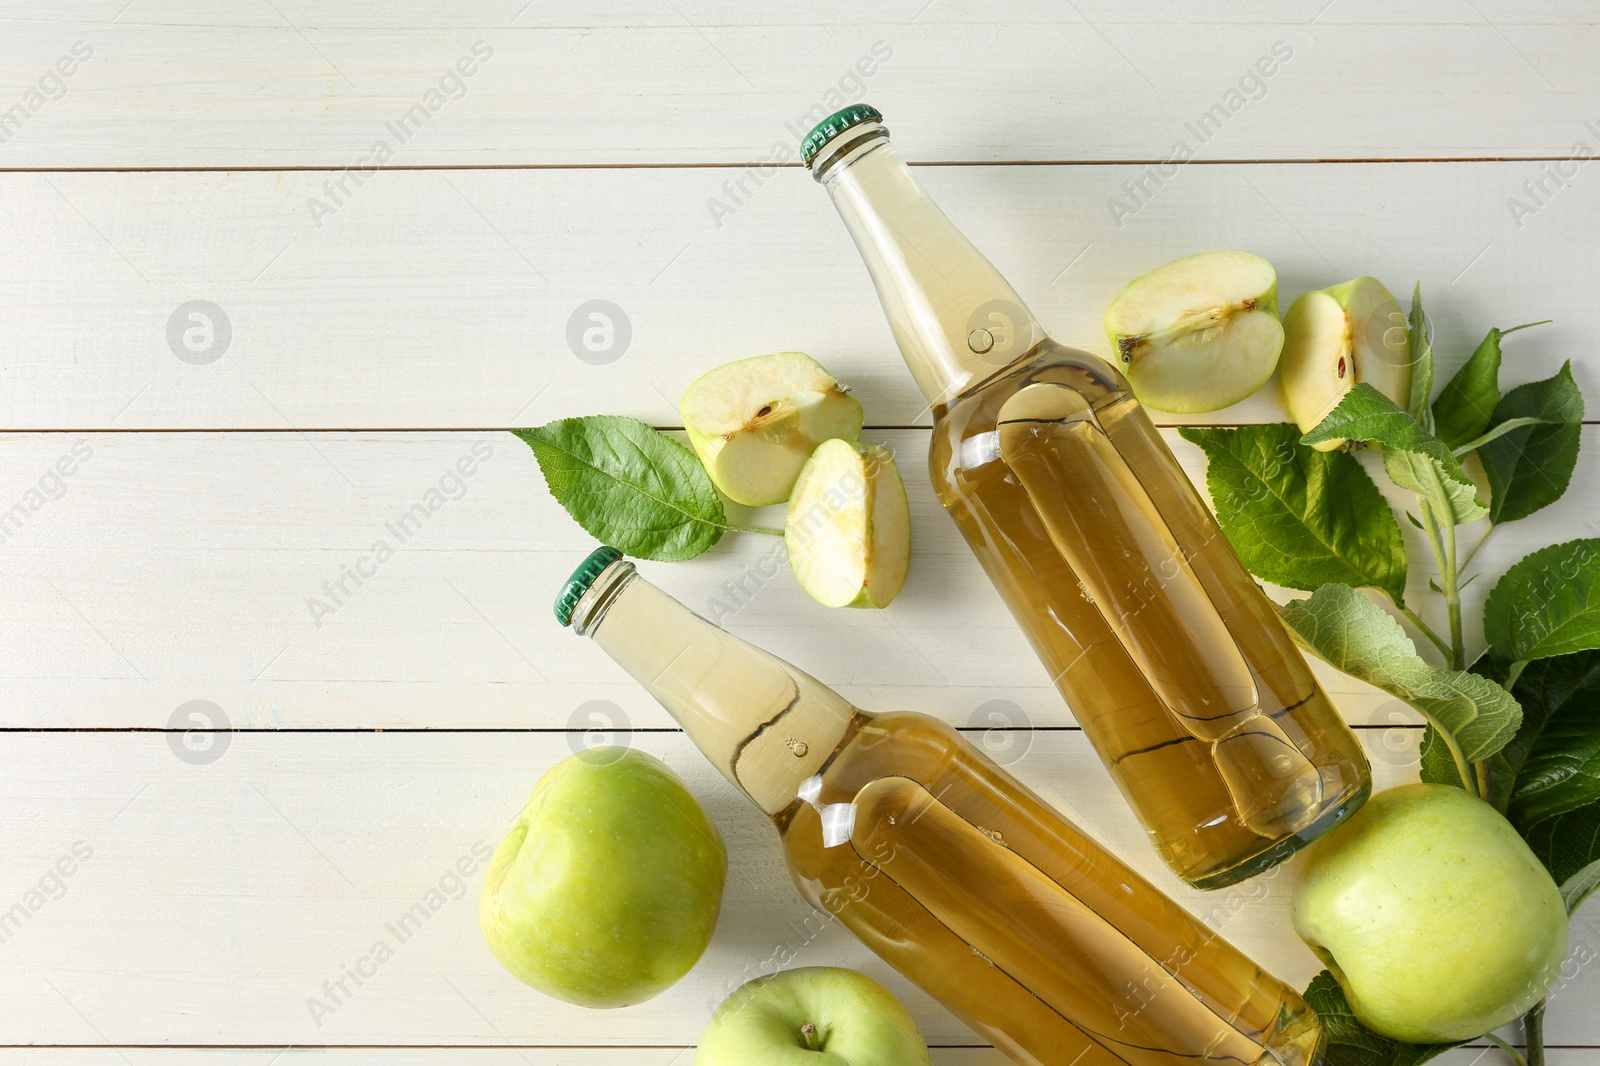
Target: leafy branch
{"points": [[1520, 726]]}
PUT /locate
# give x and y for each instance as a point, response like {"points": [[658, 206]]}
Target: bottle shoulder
{"points": [[964, 430]]}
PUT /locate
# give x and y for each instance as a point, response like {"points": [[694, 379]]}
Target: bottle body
{"points": [[1171, 657], [1014, 919], [948, 867], [1116, 570]]}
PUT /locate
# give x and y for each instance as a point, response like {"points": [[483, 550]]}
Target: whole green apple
{"points": [[1433, 915], [813, 1016], [606, 890]]}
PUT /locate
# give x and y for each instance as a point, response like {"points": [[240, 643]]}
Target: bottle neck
{"points": [[766, 725], [956, 319]]}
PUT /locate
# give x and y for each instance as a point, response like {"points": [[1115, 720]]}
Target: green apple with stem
{"points": [[1433, 915], [848, 528], [1200, 333], [813, 1016], [755, 422], [606, 890], [1335, 338]]}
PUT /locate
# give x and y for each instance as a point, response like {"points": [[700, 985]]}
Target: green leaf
{"points": [[1554, 760], [1578, 887], [1446, 494], [1352, 1044], [1466, 403], [1438, 765], [1530, 467], [1547, 604], [1569, 847], [1413, 458], [1495, 434], [629, 485], [1297, 517], [1355, 635], [1419, 349], [1547, 779]]}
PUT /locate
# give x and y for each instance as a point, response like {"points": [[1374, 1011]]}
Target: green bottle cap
{"points": [[833, 125], [581, 579]]}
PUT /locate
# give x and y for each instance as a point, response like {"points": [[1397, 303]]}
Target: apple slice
{"points": [[849, 527], [755, 422], [1199, 333], [1334, 338]]}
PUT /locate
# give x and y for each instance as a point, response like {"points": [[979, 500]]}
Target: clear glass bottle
{"points": [[1169, 654], [944, 864]]}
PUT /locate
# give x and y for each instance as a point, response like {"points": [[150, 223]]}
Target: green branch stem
{"points": [[1466, 768], [1533, 1034], [751, 529], [1473, 554], [1422, 627], [1511, 1053]]}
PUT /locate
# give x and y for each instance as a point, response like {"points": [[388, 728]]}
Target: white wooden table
{"points": [[380, 324]]}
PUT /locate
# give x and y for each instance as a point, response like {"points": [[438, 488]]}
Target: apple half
{"points": [[848, 529], [1200, 333], [1335, 338], [755, 422]]}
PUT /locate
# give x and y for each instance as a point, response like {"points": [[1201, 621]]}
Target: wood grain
{"points": [[219, 896], [185, 566], [436, 299], [294, 83], [248, 846]]}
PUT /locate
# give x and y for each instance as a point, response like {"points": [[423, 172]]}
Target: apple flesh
{"points": [[607, 888], [813, 1016], [1335, 338], [1200, 333], [1433, 915], [755, 422], [848, 529]]}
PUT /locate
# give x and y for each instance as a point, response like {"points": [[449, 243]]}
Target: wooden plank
{"points": [[460, 299], [219, 897], [182, 567], [295, 84]]}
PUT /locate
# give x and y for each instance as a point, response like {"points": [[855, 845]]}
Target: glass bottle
{"points": [[1171, 657], [944, 864]]}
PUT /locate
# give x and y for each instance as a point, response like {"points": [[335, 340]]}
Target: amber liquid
{"points": [[949, 868], [1032, 933], [1172, 659]]}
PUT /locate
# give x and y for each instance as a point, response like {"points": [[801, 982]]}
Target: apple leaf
{"points": [[1578, 887], [1465, 406], [1466, 403], [1553, 778], [1435, 483], [1352, 1044], [629, 485], [1419, 350], [1562, 843], [1547, 604], [1530, 467], [1297, 517], [1414, 458], [1351, 633]]}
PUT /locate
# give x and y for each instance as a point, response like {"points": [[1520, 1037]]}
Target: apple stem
{"points": [[808, 1035], [752, 529]]}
